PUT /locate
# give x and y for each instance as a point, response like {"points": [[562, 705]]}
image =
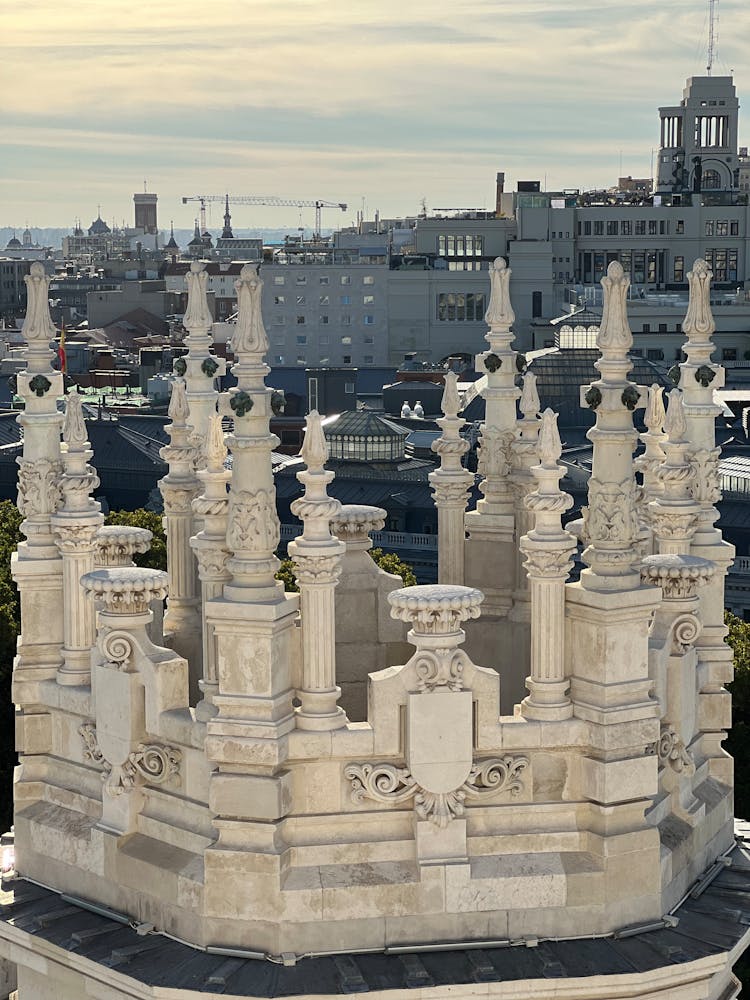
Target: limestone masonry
{"points": [[540, 759]]}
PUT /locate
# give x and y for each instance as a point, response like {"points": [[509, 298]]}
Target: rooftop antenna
{"points": [[145, 189], [713, 33]]}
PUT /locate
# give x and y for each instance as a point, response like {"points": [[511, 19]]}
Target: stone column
{"points": [[317, 557], [450, 484], [524, 456], [699, 376], [182, 622], [674, 514], [210, 547], [648, 462], [491, 545], [199, 367], [548, 549], [36, 566], [76, 525]]}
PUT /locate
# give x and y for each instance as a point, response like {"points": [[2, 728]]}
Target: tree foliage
{"points": [[738, 740], [10, 625], [156, 557]]}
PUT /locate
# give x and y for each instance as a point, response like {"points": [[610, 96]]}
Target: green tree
{"points": [[156, 557], [738, 740], [10, 625]]}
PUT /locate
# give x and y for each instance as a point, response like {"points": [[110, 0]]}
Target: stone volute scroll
{"points": [[317, 558], [450, 483]]}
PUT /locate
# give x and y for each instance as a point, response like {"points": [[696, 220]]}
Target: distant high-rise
{"points": [[145, 212]]}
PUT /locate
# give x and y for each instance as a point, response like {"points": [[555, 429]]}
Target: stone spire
{"points": [[500, 396], [548, 549], [253, 526], [199, 367], [226, 233], [317, 557], [450, 484], [673, 513], [610, 521], [210, 547], [524, 456], [182, 623], [653, 439], [76, 524]]}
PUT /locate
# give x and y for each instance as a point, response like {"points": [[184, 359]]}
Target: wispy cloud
{"points": [[326, 98]]}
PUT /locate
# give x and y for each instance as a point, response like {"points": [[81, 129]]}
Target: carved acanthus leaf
{"points": [[253, 523], [39, 486]]}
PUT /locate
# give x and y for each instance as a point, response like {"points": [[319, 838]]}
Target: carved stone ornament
{"points": [[520, 362], [678, 576], [241, 403], [126, 590], [39, 486], [38, 325], [494, 453], [180, 367], [433, 609], [278, 402], [355, 521], [699, 320], [705, 486], [116, 544], [39, 385], [393, 785], [492, 363], [614, 330], [499, 312], [593, 397], [630, 397], [672, 752], [212, 563], [74, 426], [249, 335], [197, 314], [610, 515], [148, 764], [549, 565], [253, 523], [209, 367], [177, 499], [179, 408], [675, 374], [116, 647], [442, 667], [317, 569], [705, 375]]}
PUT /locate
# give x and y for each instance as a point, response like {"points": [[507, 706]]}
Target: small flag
{"points": [[61, 351]]}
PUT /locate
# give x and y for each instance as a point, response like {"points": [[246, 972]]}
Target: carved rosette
{"points": [[39, 486], [394, 785], [148, 764], [253, 524]]}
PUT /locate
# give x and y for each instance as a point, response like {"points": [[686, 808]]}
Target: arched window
{"points": [[711, 180]]}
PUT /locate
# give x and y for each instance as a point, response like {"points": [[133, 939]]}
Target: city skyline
{"points": [[376, 107]]}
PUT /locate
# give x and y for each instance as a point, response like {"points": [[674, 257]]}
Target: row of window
{"points": [[302, 339], [323, 279], [323, 300], [654, 227], [461, 307], [460, 246], [722, 227], [344, 320], [722, 262], [281, 359], [650, 266]]}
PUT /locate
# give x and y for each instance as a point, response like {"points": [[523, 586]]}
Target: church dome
{"points": [[13, 243]]}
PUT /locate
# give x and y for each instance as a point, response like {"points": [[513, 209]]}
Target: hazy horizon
{"points": [[378, 105]]}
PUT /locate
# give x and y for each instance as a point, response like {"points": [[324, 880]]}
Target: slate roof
{"points": [[712, 920]]}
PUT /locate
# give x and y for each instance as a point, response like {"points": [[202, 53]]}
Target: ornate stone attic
{"points": [[535, 744]]}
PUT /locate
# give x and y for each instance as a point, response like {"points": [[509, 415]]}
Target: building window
{"points": [[652, 227], [734, 228], [301, 340], [679, 269], [722, 228], [278, 359], [300, 321], [312, 393], [347, 361], [626, 227], [599, 228], [636, 352], [587, 229], [655, 354], [368, 300], [369, 339], [369, 320], [346, 341], [323, 320], [279, 320], [460, 307], [301, 359], [346, 320], [349, 388], [612, 228], [278, 279], [345, 300], [536, 304], [323, 279], [729, 354], [640, 227], [662, 328], [709, 227], [278, 300], [323, 300], [369, 359], [300, 300], [346, 279], [368, 280], [646, 328], [723, 263], [301, 279], [680, 227]]}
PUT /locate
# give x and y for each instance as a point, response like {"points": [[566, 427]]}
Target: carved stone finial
{"points": [[699, 320], [675, 424], [197, 315], [38, 325], [116, 544], [435, 609], [451, 401], [654, 416], [249, 335], [126, 590], [354, 522], [614, 330], [314, 450], [499, 312], [550, 445], [529, 402], [179, 410], [216, 450], [74, 426]]}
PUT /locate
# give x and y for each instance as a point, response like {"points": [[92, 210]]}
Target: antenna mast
{"points": [[713, 32]]}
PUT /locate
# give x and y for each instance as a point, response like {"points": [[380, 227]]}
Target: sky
{"points": [[376, 103]]}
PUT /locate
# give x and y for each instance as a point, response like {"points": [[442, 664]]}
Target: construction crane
{"points": [[251, 199]]}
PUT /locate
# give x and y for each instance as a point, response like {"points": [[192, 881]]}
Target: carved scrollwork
{"points": [[494, 453], [705, 486], [610, 516], [253, 522], [317, 569], [394, 785], [685, 630], [212, 563], [149, 763], [91, 749], [672, 752], [548, 564], [440, 668], [156, 763], [39, 486], [116, 647]]}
